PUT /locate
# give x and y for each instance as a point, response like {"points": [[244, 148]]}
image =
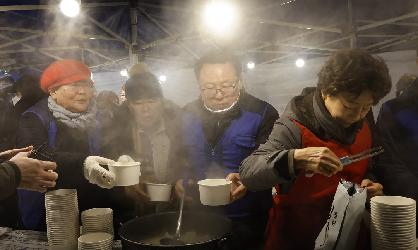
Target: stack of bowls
{"points": [[62, 218], [97, 220], [393, 223], [95, 241]]}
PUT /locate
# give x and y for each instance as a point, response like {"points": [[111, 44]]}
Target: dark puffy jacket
{"points": [[397, 125]]}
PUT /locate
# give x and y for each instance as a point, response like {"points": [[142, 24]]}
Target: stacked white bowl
{"points": [[62, 218], [97, 220], [95, 241], [393, 223]]}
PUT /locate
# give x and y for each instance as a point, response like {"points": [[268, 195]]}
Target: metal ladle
{"points": [[176, 239]]}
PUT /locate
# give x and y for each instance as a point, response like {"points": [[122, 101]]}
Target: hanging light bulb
{"points": [[70, 8]]}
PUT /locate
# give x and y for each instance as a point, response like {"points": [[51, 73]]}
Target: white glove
{"points": [[98, 175], [125, 158]]}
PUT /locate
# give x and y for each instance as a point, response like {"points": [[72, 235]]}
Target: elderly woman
{"points": [[317, 128], [63, 126]]}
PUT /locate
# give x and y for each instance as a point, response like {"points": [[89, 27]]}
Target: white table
{"points": [[26, 239]]}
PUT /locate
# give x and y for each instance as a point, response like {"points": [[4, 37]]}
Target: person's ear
{"points": [[130, 107], [240, 84], [52, 92], [324, 96]]}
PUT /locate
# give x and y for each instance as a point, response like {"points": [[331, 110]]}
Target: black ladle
{"points": [[176, 239]]}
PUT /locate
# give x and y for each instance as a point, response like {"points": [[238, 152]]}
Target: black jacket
{"points": [[8, 124], [9, 118], [397, 125], [9, 179]]}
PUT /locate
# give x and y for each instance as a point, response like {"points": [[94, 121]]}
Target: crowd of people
{"points": [[57, 132]]}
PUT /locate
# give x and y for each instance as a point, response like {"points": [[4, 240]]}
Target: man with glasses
{"points": [[222, 128]]}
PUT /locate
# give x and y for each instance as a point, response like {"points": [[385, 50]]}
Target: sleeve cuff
{"points": [[16, 169], [290, 163], [285, 164]]}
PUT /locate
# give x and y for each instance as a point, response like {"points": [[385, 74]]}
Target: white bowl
{"points": [[159, 192], [215, 192], [126, 173]]}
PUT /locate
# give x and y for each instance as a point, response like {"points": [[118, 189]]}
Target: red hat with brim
{"points": [[64, 72]]}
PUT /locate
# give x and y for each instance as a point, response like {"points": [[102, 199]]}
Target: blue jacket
{"points": [[249, 126], [37, 126]]}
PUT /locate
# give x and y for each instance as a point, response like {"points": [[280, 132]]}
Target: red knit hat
{"points": [[63, 72]]}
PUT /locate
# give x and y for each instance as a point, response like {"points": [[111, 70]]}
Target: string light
{"points": [[124, 73], [250, 65], [300, 63], [162, 78], [287, 2]]}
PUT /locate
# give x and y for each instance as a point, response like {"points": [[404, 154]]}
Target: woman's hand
{"points": [[8, 154], [98, 175], [179, 189], [373, 188], [35, 175], [238, 190], [137, 192], [317, 160]]}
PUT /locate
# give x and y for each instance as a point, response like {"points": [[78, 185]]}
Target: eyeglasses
{"points": [[84, 85], [225, 87]]}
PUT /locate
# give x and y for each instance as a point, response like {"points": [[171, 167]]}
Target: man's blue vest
{"points": [[237, 142], [31, 203]]}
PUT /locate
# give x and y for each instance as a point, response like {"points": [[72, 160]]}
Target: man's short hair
{"points": [[143, 86], [404, 82], [218, 57], [354, 71]]}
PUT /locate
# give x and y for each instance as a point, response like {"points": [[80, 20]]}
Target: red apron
{"points": [[296, 218]]}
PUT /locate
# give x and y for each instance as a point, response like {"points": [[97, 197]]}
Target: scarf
{"points": [[73, 120], [333, 129]]}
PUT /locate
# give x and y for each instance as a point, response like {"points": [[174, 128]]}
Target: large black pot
{"points": [[199, 231]]}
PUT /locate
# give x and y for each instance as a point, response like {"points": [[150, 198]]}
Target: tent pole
{"points": [[352, 26], [133, 49]]}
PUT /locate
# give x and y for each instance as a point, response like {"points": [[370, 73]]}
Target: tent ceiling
{"points": [[33, 34]]}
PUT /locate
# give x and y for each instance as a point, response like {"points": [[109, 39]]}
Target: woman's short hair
{"points": [[354, 71]]}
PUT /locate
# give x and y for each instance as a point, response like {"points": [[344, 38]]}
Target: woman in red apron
{"points": [[301, 156]]}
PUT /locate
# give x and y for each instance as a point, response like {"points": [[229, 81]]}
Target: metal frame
{"points": [[289, 47]]}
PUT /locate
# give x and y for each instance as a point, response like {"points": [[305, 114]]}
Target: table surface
{"points": [[34, 240], [26, 239]]}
